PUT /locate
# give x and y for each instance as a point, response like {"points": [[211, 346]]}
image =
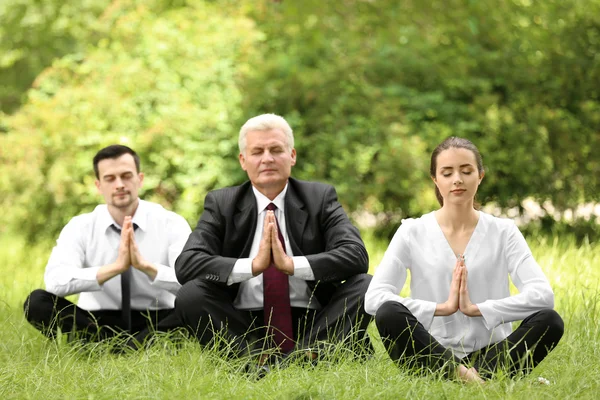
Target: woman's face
{"points": [[457, 176]]}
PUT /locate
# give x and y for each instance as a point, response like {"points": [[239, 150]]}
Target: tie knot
{"points": [[118, 230], [271, 207]]}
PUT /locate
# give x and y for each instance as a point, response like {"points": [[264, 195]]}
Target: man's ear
{"points": [[293, 157], [98, 186], [141, 176], [242, 161]]}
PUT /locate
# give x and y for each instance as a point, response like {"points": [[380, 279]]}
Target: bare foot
{"points": [[468, 375]]}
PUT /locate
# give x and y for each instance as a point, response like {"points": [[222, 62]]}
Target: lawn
{"points": [[34, 367]]}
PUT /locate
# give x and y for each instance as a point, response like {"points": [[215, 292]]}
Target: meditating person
{"points": [[119, 258], [459, 313], [274, 265]]}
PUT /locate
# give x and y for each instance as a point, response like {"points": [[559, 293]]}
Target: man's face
{"points": [[268, 160], [119, 182]]}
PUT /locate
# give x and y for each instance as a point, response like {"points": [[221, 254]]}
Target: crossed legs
{"points": [[48, 313], [207, 311], [407, 340]]}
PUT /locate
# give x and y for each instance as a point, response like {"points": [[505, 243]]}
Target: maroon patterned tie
{"points": [[278, 312]]}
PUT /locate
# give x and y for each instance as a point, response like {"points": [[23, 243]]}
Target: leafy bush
{"points": [[369, 87], [374, 86], [165, 83]]}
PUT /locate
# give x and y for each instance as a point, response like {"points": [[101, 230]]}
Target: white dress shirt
{"points": [[495, 250], [250, 294], [88, 242]]}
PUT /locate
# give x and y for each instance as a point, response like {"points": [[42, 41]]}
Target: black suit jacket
{"points": [[318, 228]]}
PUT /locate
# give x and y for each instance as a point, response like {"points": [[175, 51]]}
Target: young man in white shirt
{"points": [[119, 259]]}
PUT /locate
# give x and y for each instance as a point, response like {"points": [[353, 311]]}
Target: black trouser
{"points": [[407, 340], [48, 312], [207, 310]]}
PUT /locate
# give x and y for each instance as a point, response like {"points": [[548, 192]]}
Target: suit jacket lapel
{"points": [[245, 220], [295, 219]]}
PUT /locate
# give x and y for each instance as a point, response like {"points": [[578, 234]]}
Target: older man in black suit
{"points": [[274, 263]]}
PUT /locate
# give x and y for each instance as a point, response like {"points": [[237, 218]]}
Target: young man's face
{"points": [[118, 181]]}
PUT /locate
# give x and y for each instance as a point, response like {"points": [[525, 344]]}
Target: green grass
{"points": [[34, 367]]}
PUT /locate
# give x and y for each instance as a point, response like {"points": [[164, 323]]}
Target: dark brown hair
{"points": [[115, 151], [454, 143]]}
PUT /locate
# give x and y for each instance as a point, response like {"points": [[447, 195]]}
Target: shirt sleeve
{"points": [[302, 269], [535, 292], [65, 273], [390, 277], [242, 270], [178, 231]]}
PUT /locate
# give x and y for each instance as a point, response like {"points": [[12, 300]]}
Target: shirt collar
{"points": [[263, 201], [140, 218]]}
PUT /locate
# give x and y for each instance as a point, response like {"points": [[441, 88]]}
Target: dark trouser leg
{"points": [[48, 312], [407, 341], [301, 318], [523, 349], [206, 310], [343, 319], [146, 324]]}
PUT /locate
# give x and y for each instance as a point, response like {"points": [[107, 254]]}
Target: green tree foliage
{"points": [[164, 83], [376, 85], [35, 32], [370, 87]]}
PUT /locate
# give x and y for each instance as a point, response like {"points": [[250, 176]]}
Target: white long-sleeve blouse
{"points": [[495, 250]]}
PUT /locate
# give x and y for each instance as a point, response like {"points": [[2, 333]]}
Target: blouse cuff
{"points": [[491, 318], [426, 314], [422, 310]]}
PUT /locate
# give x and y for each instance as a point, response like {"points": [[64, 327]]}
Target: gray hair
{"points": [[265, 122]]}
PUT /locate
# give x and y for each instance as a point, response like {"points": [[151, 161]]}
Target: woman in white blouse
{"points": [[460, 309]]}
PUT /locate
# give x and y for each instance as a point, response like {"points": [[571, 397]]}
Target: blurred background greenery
{"points": [[369, 86]]}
